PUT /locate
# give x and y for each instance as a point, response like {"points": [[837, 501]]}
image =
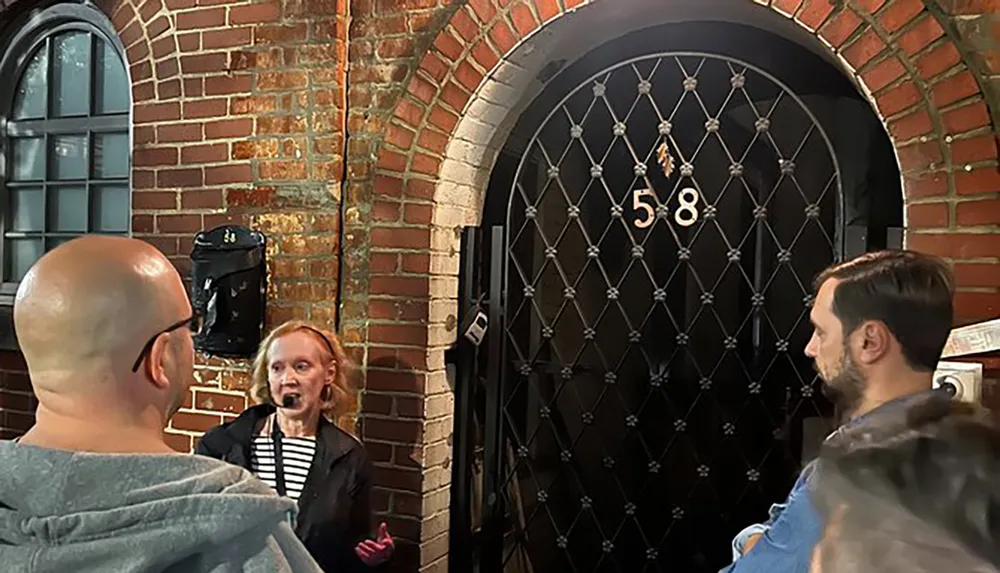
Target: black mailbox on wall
{"points": [[229, 289]]}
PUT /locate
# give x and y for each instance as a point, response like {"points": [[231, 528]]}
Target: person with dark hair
{"points": [[915, 494], [880, 323]]}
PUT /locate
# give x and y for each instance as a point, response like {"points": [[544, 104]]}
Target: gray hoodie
{"points": [[64, 512]]}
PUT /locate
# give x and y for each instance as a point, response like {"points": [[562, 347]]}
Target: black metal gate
{"points": [[640, 393]]}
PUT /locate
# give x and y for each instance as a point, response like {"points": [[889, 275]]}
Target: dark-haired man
{"points": [[880, 323], [915, 493]]}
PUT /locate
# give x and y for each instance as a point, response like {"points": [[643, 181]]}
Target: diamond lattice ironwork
{"points": [[656, 315]]}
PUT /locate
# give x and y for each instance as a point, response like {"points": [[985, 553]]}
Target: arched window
{"points": [[64, 135]]}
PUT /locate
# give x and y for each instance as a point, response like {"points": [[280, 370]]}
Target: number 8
{"points": [[687, 213]]}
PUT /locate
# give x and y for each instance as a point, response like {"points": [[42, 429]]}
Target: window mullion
{"points": [[91, 173], [49, 57], [46, 154], [91, 140], [67, 125], [92, 62], [7, 154], [46, 142]]}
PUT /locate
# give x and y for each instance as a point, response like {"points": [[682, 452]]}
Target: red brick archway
{"points": [[148, 33], [914, 74], [434, 163]]}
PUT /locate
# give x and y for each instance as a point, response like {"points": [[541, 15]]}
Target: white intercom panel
{"points": [[963, 380]]}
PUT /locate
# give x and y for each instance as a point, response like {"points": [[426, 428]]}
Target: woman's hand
{"points": [[377, 551]]}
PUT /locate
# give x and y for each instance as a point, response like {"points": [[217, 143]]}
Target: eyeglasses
{"points": [[194, 323]]}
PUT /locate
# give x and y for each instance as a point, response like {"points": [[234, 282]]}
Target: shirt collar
{"points": [[889, 406]]}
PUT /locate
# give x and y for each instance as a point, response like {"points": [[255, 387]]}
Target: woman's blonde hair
{"points": [[339, 402]]}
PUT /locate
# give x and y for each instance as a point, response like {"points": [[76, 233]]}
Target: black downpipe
{"points": [[493, 502], [338, 319], [464, 357]]}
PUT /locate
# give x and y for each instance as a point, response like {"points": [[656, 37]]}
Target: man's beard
{"points": [[846, 387]]}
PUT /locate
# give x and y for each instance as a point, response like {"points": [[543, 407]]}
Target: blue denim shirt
{"points": [[794, 527], [787, 537]]}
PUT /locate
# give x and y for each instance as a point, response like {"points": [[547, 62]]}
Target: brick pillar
{"points": [[386, 306]]}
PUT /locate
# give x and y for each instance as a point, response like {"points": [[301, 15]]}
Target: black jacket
{"points": [[334, 509]]}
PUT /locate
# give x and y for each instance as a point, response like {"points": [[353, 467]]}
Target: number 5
{"points": [[639, 205]]}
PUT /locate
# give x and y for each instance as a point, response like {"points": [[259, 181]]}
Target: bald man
{"points": [[106, 330]]}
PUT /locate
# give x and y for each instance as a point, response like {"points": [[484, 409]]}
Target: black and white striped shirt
{"points": [[296, 454]]}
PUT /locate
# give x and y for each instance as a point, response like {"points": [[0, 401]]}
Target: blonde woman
{"points": [[290, 442]]}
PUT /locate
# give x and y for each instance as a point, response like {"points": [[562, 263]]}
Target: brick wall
{"points": [[239, 118], [973, 206], [976, 25], [407, 404], [17, 402], [434, 150], [240, 110]]}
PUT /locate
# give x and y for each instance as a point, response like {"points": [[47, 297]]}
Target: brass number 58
{"points": [[639, 205], [685, 215]]}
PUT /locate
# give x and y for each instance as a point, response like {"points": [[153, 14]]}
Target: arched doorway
{"points": [[664, 204]]}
